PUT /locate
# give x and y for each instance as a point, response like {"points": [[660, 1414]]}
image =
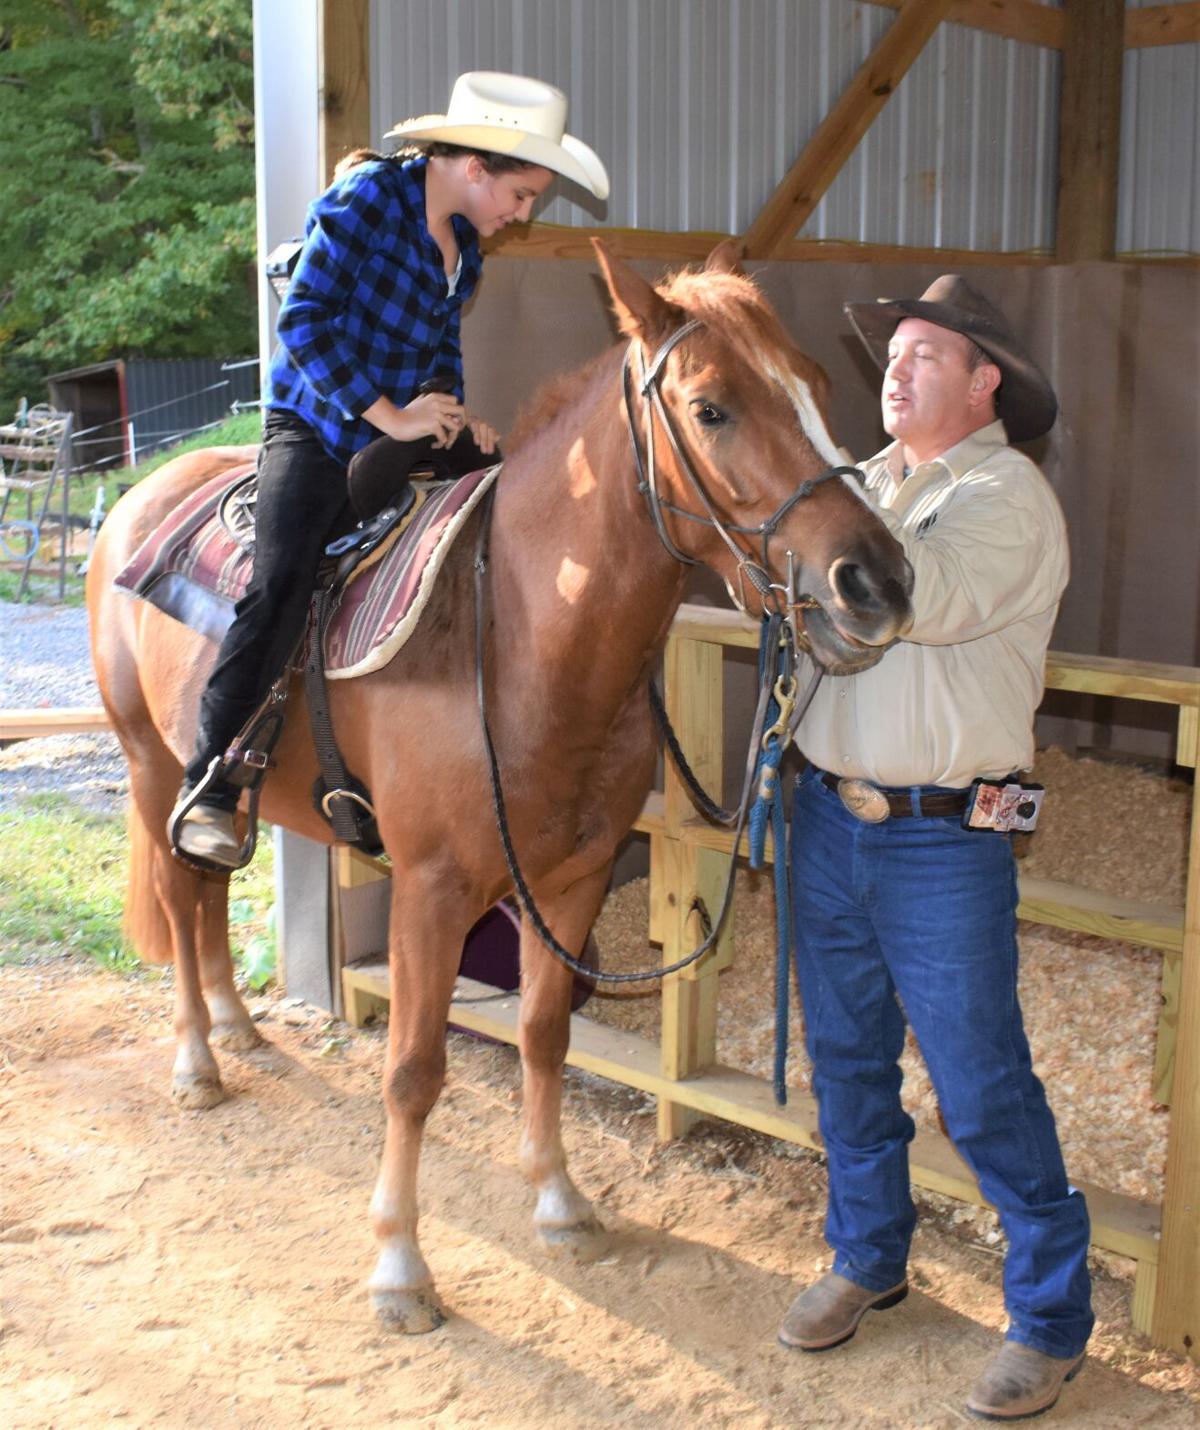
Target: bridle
{"points": [[781, 599]]}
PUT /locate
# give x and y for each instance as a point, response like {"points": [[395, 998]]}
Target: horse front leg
{"points": [[425, 947], [563, 1216], [195, 1078]]}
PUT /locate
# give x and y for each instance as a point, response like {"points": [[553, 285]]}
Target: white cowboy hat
{"points": [[513, 115]]}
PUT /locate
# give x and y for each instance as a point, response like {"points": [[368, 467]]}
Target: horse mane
{"points": [[549, 400]]}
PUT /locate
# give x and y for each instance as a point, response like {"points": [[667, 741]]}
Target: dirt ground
{"points": [[207, 1269]]}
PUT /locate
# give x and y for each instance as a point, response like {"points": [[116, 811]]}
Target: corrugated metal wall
{"points": [[700, 106], [1159, 201], [172, 397]]}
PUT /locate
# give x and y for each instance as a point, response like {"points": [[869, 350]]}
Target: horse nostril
{"points": [[847, 580]]}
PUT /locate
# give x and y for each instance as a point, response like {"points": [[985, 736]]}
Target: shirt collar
{"points": [[956, 461]]}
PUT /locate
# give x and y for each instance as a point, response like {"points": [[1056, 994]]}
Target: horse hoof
{"points": [[412, 1313], [585, 1241], [194, 1093], [236, 1037]]}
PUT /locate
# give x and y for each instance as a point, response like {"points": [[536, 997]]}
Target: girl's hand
{"points": [[486, 436], [434, 414], [438, 415]]}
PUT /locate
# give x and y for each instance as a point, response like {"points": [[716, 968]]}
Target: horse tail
{"points": [[146, 925]]}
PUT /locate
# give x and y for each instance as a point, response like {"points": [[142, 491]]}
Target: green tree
{"points": [[127, 183]]}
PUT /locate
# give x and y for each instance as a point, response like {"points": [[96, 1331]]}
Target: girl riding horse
{"points": [[371, 318]]}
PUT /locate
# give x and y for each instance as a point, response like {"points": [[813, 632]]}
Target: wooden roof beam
{"points": [[1027, 20], [790, 206], [1162, 25], [1038, 24]]}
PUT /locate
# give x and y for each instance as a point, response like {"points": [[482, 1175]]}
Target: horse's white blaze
{"points": [[812, 424], [581, 480], [571, 580]]}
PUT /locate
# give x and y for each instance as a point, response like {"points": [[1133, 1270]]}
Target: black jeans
{"points": [[301, 502]]}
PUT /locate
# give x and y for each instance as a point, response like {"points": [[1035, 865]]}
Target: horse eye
{"points": [[707, 414]]}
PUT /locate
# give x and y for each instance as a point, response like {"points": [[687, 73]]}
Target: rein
{"points": [[524, 896]]}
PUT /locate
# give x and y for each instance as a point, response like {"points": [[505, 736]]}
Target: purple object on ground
{"points": [[492, 953]]}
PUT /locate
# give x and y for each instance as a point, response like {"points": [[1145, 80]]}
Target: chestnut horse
{"points": [[580, 593]]}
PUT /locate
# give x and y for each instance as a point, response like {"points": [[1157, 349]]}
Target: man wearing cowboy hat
{"points": [[901, 910]]}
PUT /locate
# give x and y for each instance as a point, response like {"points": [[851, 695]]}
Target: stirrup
{"points": [[371, 530], [189, 802]]}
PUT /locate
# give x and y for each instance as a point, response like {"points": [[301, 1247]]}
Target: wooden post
{"points": [[680, 872], [344, 110], [1089, 129], [1177, 1297], [805, 183], [689, 1011]]}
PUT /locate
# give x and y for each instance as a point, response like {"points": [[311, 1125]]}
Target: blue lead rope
{"points": [[768, 804]]}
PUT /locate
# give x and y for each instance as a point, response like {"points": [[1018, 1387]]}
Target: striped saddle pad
{"points": [[194, 570]]}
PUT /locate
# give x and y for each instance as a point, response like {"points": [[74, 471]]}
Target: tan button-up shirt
{"points": [[955, 698]]}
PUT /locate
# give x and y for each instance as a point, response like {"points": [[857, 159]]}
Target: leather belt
{"points": [[872, 804]]}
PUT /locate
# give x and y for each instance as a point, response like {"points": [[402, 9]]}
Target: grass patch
{"points": [[236, 431], [64, 890]]}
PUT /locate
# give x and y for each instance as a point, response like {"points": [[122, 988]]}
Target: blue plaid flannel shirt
{"points": [[368, 311]]}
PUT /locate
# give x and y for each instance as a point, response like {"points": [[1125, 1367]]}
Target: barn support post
{"points": [[1089, 130], [287, 173], [344, 108]]}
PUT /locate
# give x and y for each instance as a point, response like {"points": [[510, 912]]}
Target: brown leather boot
{"points": [[208, 833], [828, 1313], [1019, 1382]]}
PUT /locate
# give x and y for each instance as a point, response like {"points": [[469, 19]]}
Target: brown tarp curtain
{"points": [[1120, 343]]}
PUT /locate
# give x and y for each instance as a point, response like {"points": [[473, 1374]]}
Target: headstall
{"points": [[783, 599]]}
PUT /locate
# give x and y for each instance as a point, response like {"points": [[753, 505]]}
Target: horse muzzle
{"points": [[863, 609]]}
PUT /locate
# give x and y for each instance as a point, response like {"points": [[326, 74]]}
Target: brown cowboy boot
{"points": [[1019, 1382], [208, 833], [828, 1313]]}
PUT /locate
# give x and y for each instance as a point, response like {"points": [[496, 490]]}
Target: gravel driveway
{"points": [[45, 663]]}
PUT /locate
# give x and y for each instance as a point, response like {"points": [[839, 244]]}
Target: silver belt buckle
{"points": [[864, 801]]}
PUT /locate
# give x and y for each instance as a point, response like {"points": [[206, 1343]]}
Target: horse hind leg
{"points": [[163, 916], [563, 1217], [425, 937]]}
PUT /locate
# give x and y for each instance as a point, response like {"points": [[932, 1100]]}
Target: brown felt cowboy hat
{"points": [[1025, 401]]}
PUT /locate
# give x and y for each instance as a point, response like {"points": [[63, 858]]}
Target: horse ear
{"points": [[641, 313], [726, 258]]}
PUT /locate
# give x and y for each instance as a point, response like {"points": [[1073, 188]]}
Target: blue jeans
{"points": [[921, 908]]}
